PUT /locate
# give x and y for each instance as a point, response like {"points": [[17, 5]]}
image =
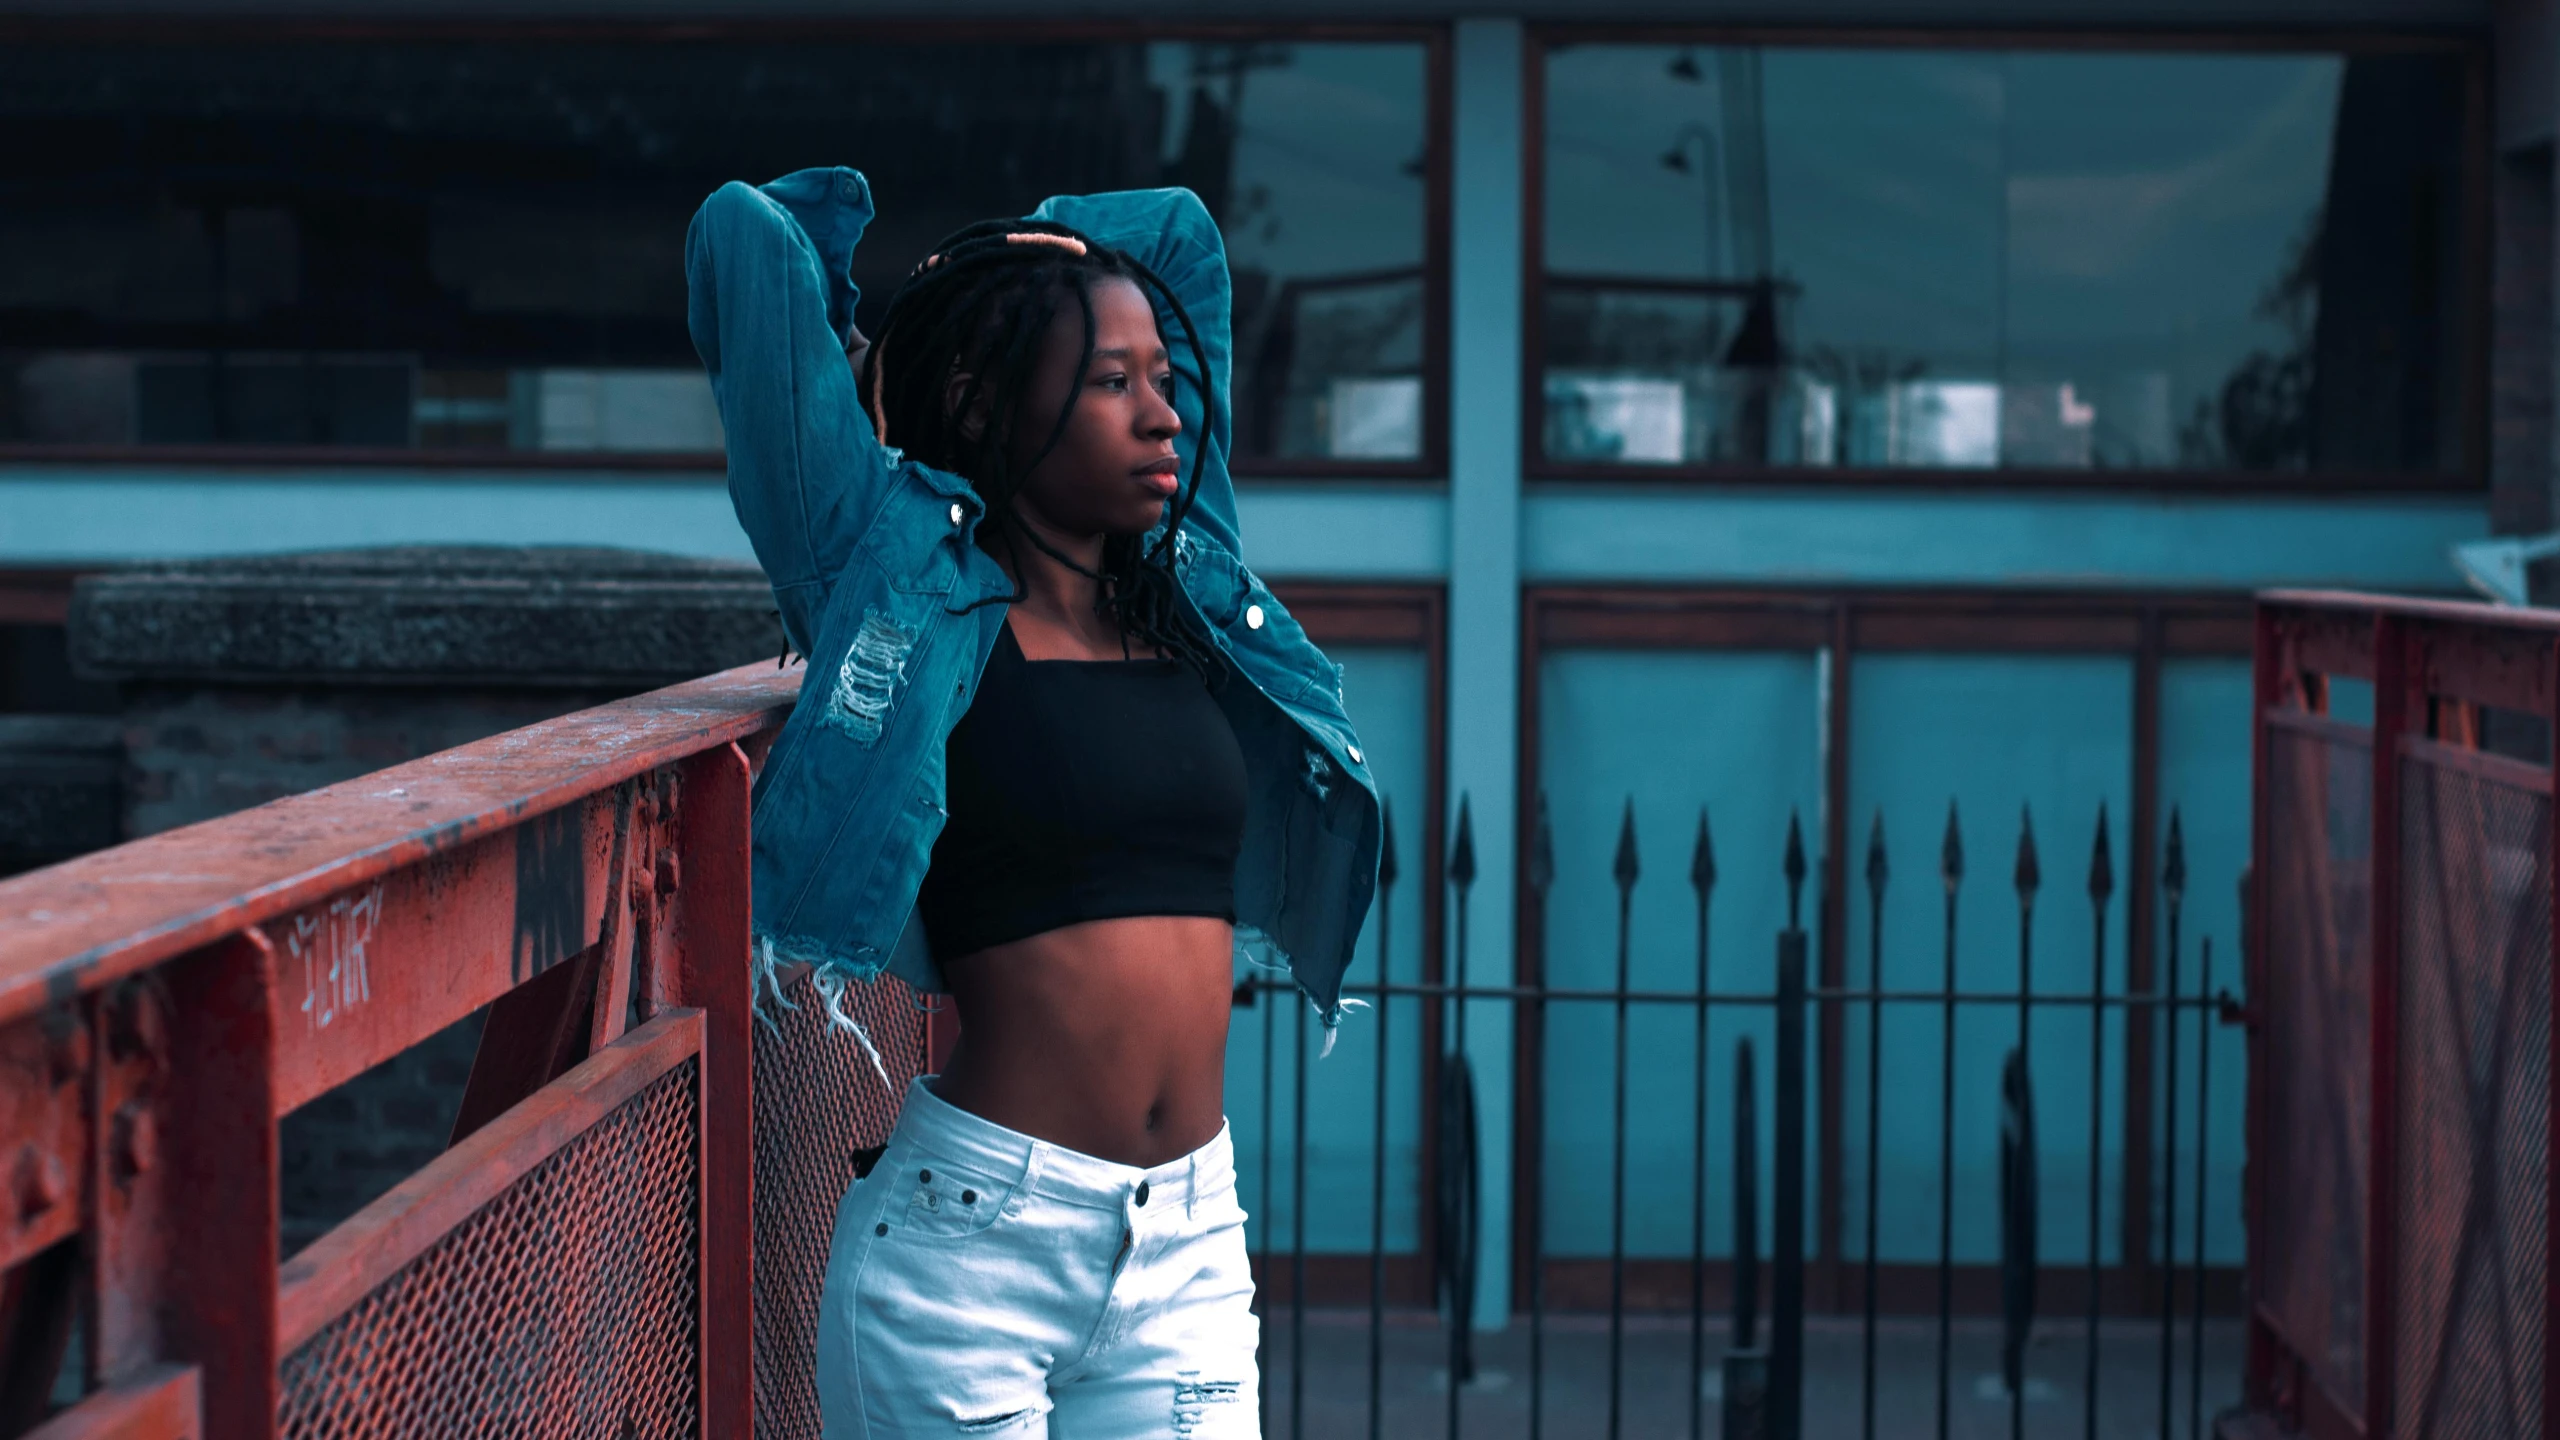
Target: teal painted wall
{"points": [[54, 514], [1740, 735], [1996, 735], [1387, 692]]}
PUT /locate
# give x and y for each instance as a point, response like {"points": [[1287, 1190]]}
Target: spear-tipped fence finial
{"points": [[2102, 865], [1877, 871], [1951, 852], [1462, 849], [1795, 870], [1623, 868], [2028, 876], [1702, 858], [2173, 871], [1542, 851]]}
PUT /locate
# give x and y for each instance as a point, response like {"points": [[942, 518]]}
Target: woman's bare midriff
{"points": [[1108, 1037]]}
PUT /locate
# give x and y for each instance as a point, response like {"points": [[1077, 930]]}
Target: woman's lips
{"points": [[1163, 477]]}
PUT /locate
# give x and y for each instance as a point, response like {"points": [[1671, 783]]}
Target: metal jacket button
{"points": [[1253, 617]]}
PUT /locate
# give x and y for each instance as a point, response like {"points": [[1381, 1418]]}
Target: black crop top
{"points": [[1083, 790]]}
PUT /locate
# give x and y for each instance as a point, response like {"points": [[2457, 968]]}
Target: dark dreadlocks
{"points": [[979, 306]]}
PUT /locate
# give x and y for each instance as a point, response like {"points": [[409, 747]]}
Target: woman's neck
{"points": [[1067, 595]]}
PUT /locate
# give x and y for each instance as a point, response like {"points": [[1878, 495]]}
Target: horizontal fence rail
{"points": [[628, 1233], [2401, 954]]}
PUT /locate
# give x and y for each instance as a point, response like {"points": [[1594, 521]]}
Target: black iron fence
{"points": [[1746, 1371]]}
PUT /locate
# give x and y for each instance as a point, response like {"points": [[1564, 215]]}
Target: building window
{"points": [[437, 245], [2056, 263]]}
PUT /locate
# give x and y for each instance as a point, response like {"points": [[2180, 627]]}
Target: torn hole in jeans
{"points": [[991, 1424], [1192, 1397]]}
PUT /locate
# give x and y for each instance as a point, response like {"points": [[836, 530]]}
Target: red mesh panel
{"points": [[817, 1101], [2317, 1052], [565, 1307], [2474, 1105]]}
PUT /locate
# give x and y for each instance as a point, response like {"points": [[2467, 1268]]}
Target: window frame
{"points": [[1431, 464], [2470, 476]]}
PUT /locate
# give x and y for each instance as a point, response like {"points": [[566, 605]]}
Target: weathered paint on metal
{"points": [[43, 1132], [85, 924], [160, 1403], [163, 1003], [207, 1192], [711, 942], [367, 972], [335, 1272]]}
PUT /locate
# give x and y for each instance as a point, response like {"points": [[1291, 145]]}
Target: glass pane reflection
{"points": [[457, 245], [1970, 259]]}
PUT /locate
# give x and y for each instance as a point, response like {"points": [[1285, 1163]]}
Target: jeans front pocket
{"points": [[947, 1201]]}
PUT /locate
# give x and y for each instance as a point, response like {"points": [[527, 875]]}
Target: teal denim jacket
{"points": [[873, 565]]}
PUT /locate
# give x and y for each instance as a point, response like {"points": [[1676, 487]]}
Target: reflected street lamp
{"points": [[1710, 170]]}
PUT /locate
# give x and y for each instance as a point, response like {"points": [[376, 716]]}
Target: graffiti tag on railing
{"points": [[330, 942]]}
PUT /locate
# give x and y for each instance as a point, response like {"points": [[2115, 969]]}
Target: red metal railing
{"points": [[2401, 958], [628, 1233]]}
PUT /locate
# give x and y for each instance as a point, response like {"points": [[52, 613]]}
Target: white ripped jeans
{"points": [[982, 1282]]}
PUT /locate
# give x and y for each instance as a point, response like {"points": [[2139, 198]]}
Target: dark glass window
{"points": [[446, 244], [2049, 261]]}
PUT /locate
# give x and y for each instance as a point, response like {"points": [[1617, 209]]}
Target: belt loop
{"points": [[1191, 1192]]}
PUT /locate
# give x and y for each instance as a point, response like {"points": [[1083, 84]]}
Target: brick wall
{"points": [[342, 1150]]}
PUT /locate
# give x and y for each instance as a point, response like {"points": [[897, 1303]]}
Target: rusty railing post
{"points": [[183, 1181], [712, 972], [2395, 690]]}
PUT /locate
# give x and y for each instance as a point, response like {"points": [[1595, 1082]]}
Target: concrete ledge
{"points": [[531, 617]]}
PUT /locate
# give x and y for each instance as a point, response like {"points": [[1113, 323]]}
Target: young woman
{"points": [[1060, 754]]}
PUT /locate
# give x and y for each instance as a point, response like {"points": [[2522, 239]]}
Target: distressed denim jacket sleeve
{"points": [[771, 309]]}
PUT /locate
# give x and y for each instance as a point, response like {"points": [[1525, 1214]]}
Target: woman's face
{"points": [[1114, 466]]}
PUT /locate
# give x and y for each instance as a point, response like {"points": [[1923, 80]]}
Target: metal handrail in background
{"points": [[2399, 967]]}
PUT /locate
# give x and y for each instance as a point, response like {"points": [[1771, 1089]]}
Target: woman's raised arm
{"points": [[1171, 233], [771, 310]]}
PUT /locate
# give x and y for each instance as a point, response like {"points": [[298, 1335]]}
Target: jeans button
{"points": [[1142, 1192]]}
